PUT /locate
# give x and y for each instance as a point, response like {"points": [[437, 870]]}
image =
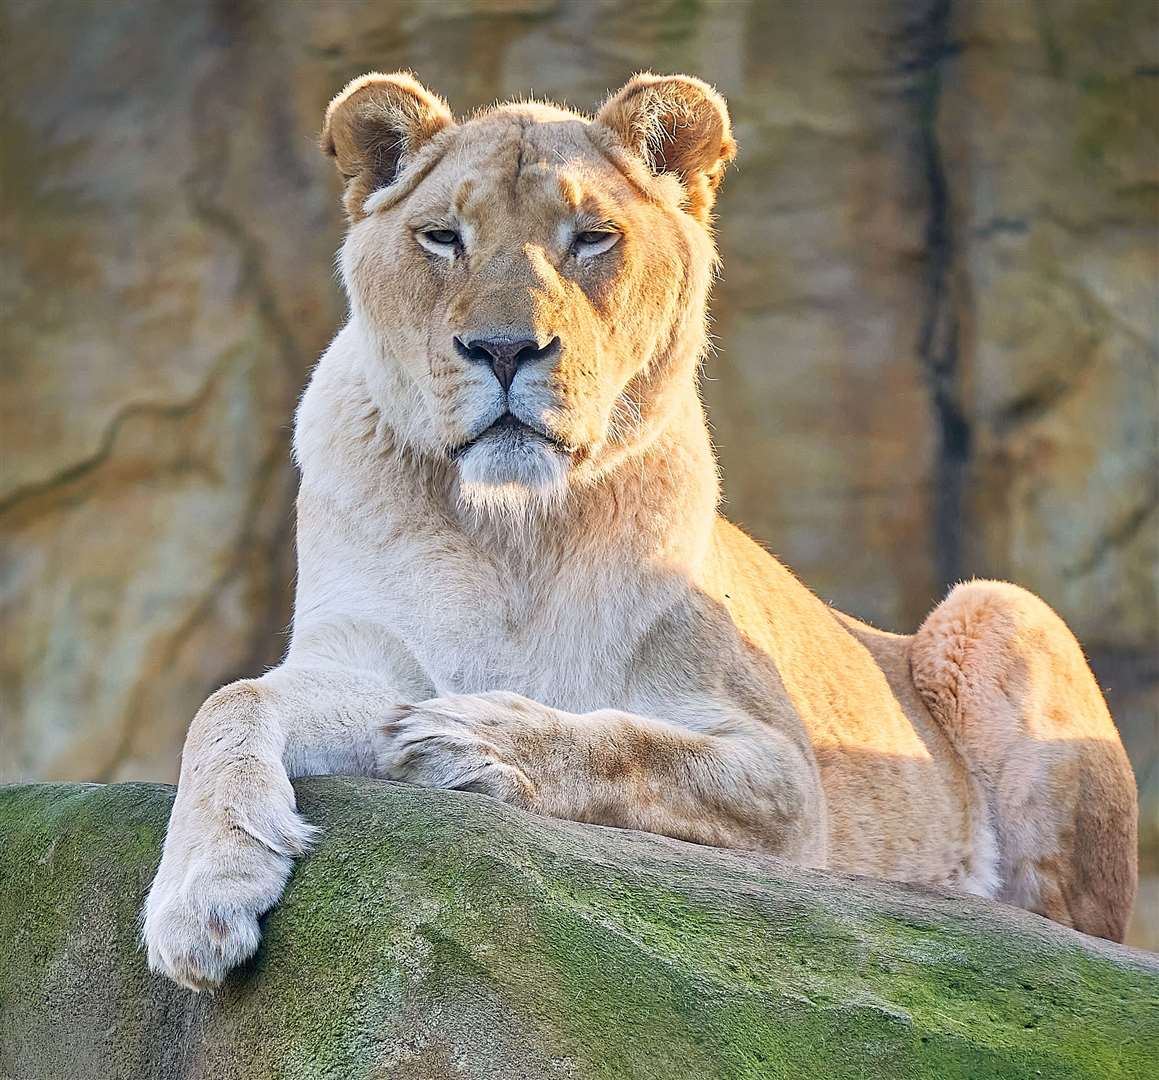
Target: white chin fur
{"points": [[510, 472]]}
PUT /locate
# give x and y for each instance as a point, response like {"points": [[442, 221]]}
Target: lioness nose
{"points": [[505, 357]]}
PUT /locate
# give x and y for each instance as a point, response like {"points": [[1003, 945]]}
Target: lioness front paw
{"points": [[201, 915], [462, 742], [196, 939]]}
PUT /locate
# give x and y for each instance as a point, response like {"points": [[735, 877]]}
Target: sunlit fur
{"points": [[518, 183], [554, 613]]}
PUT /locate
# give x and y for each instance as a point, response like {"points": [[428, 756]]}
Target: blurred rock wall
{"points": [[937, 323]]}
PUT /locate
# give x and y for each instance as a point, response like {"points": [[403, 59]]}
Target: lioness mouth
{"points": [[510, 422]]}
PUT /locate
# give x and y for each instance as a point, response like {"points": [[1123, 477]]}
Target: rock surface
{"points": [[936, 324], [439, 935]]}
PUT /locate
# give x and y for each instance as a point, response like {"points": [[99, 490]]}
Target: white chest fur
{"points": [[475, 611], [390, 575]]}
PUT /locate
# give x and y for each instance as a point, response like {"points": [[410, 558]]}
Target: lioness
{"points": [[513, 577]]}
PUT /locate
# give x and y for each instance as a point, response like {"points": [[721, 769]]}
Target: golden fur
{"points": [[520, 585]]}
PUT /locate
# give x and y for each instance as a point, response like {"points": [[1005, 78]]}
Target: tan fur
{"points": [[549, 609], [678, 125], [374, 125], [1009, 684]]}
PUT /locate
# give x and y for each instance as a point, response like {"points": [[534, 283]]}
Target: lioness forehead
{"points": [[521, 157], [540, 130]]}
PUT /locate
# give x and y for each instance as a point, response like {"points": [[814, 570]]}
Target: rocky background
{"points": [[937, 324]]}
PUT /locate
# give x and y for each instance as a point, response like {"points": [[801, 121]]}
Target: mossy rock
{"points": [[441, 935]]}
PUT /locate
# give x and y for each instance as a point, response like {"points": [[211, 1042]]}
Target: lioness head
{"points": [[532, 282]]}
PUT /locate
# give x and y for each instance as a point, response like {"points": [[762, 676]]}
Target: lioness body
{"points": [[513, 577]]}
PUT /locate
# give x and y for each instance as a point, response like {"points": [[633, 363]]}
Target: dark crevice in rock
{"points": [[926, 47], [1117, 536], [32, 498], [203, 185], [1002, 226], [1031, 405]]}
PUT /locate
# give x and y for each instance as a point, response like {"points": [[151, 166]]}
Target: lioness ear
{"points": [[374, 125], [678, 125]]}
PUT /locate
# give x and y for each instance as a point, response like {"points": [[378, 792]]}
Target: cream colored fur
{"points": [[553, 613]]}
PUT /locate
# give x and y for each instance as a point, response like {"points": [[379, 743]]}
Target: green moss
{"points": [[48, 857], [433, 934]]}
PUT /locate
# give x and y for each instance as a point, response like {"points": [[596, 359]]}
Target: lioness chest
{"points": [[475, 616]]}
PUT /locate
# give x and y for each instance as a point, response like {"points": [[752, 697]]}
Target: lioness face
{"points": [[531, 282]]}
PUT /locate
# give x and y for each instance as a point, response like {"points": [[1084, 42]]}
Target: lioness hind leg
{"points": [[1008, 682]]}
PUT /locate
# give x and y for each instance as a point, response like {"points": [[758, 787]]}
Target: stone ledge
{"points": [[441, 935]]}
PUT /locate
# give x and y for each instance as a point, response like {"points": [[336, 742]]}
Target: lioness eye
{"points": [[595, 241], [443, 242]]}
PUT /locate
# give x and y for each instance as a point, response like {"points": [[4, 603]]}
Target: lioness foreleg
{"points": [[234, 830], [728, 782]]}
